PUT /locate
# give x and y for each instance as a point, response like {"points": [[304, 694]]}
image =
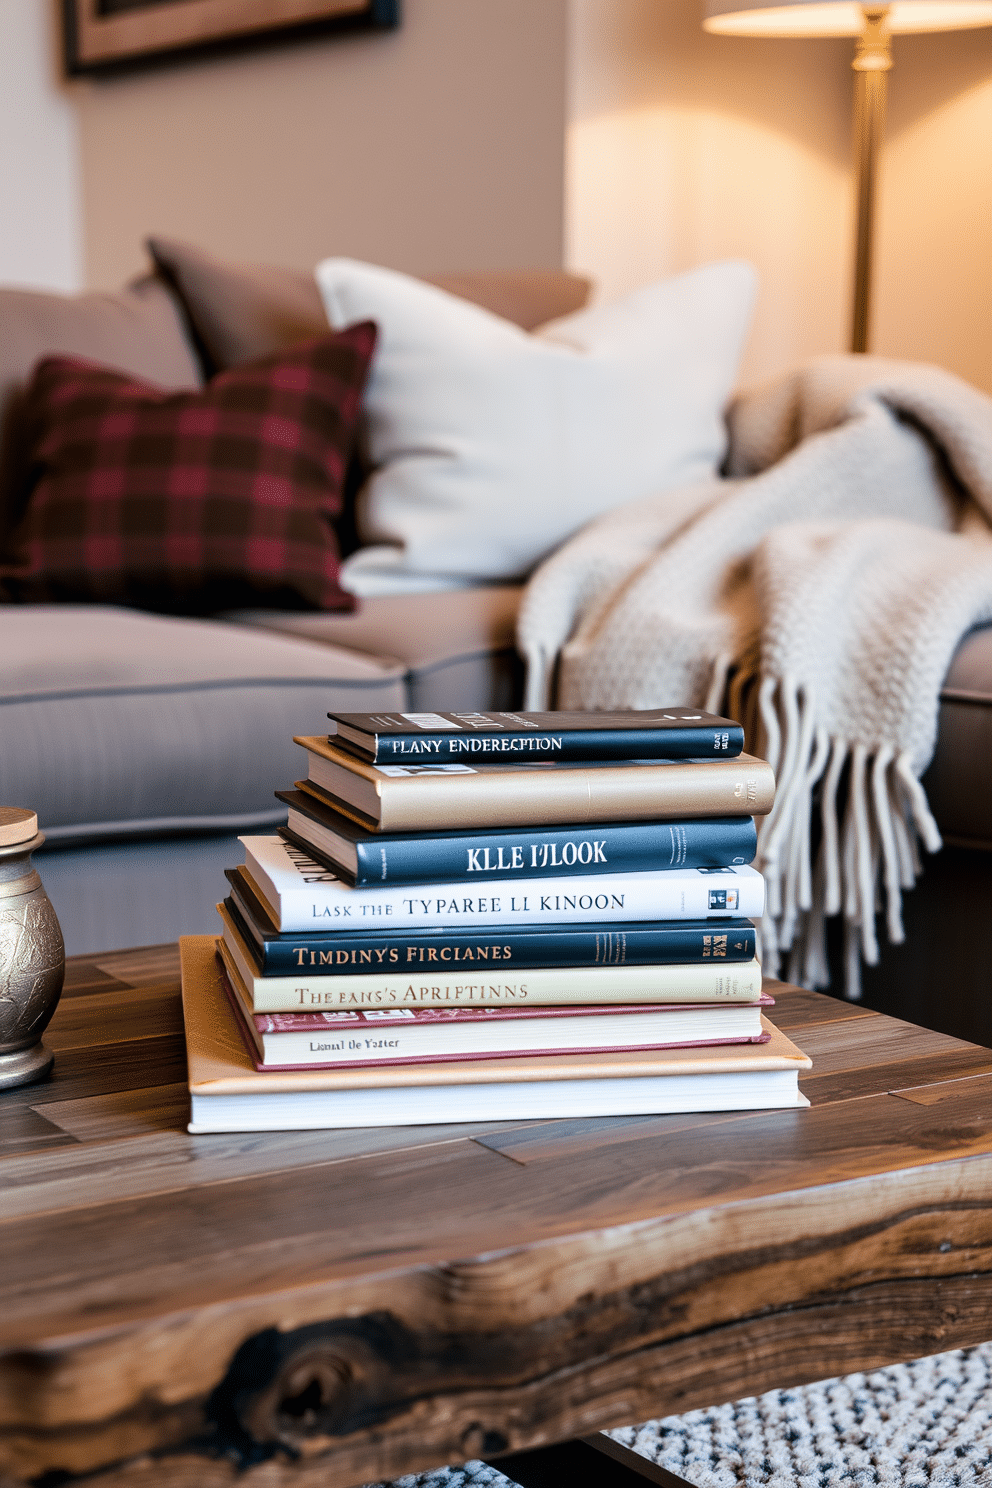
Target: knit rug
{"points": [[921, 1425]]}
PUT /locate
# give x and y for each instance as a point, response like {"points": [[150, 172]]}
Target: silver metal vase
{"points": [[32, 954]]}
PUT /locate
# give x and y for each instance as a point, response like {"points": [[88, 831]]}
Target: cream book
{"points": [[446, 797], [228, 1094]]}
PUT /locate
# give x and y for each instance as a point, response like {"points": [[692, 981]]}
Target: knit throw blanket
{"points": [[817, 595]]}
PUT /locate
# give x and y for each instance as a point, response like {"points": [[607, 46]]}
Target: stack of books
{"points": [[494, 916]]}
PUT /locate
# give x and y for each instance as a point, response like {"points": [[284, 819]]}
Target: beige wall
{"points": [[441, 146], [684, 147], [934, 271], [437, 146], [41, 239]]}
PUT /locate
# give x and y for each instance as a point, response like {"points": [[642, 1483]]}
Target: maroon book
{"points": [[283, 1041]]}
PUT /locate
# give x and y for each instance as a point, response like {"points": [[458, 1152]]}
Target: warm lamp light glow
{"points": [[840, 17], [873, 22]]}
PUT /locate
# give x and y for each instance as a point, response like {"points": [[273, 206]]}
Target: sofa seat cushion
{"points": [[456, 648], [959, 780], [118, 723]]}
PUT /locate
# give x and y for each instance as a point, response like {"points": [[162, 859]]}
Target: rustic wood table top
{"points": [[338, 1307]]}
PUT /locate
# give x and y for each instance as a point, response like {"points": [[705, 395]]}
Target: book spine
{"points": [[612, 898], [712, 1023], [362, 1049], [629, 847], [664, 943], [708, 982], [579, 745]]}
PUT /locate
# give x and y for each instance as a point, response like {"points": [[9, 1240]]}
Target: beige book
{"points": [[228, 1094], [411, 798]]}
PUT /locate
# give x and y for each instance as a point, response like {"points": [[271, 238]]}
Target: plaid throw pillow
{"points": [[191, 502]]}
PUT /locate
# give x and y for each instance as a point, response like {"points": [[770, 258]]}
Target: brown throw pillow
{"points": [[240, 311], [191, 502], [237, 312]]}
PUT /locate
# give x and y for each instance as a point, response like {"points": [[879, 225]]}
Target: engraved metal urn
{"points": [[32, 955]]}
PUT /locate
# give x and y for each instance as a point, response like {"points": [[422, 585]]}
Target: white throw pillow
{"points": [[490, 445]]}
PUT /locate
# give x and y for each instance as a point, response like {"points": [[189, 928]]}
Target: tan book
{"points": [[228, 1094], [410, 798]]}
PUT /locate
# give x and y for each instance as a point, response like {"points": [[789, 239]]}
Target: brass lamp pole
{"points": [[872, 61], [873, 25]]}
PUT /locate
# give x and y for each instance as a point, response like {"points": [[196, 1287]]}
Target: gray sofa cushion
{"points": [[118, 723], [959, 780], [456, 647], [117, 894]]}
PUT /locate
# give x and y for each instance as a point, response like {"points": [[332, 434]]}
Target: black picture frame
{"points": [[105, 36]]}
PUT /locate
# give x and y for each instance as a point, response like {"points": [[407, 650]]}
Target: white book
{"points": [[537, 1100], [304, 895]]}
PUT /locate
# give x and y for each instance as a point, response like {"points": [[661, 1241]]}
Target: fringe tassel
{"points": [[917, 799], [891, 870], [862, 884], [864, 862], [539, 678], [830, 849]]}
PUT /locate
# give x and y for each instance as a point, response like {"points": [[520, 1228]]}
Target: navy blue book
{"points": [[363, 859], [510, 738], [655, 943]]}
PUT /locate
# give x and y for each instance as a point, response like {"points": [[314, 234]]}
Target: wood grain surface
{"points": [[337, 1307]]}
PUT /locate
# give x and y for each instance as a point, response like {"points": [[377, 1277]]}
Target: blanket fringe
{"points": [[864, 861], [539, 681]]}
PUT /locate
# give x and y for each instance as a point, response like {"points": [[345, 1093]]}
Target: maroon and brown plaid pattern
{"points": [[191, 502]]}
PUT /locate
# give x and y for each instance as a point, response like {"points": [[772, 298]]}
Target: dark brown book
{"points": [[516, 738]]}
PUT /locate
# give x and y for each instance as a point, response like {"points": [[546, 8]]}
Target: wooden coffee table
{"points": [[336, 1307]]}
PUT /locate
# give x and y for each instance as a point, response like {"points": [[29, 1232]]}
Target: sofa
{"points": [[147, 741]]}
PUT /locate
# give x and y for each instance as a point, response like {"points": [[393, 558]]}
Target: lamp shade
{"points": [[839, 17]]}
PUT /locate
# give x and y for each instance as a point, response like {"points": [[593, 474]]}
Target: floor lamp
{"points": [[873, 25]]}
